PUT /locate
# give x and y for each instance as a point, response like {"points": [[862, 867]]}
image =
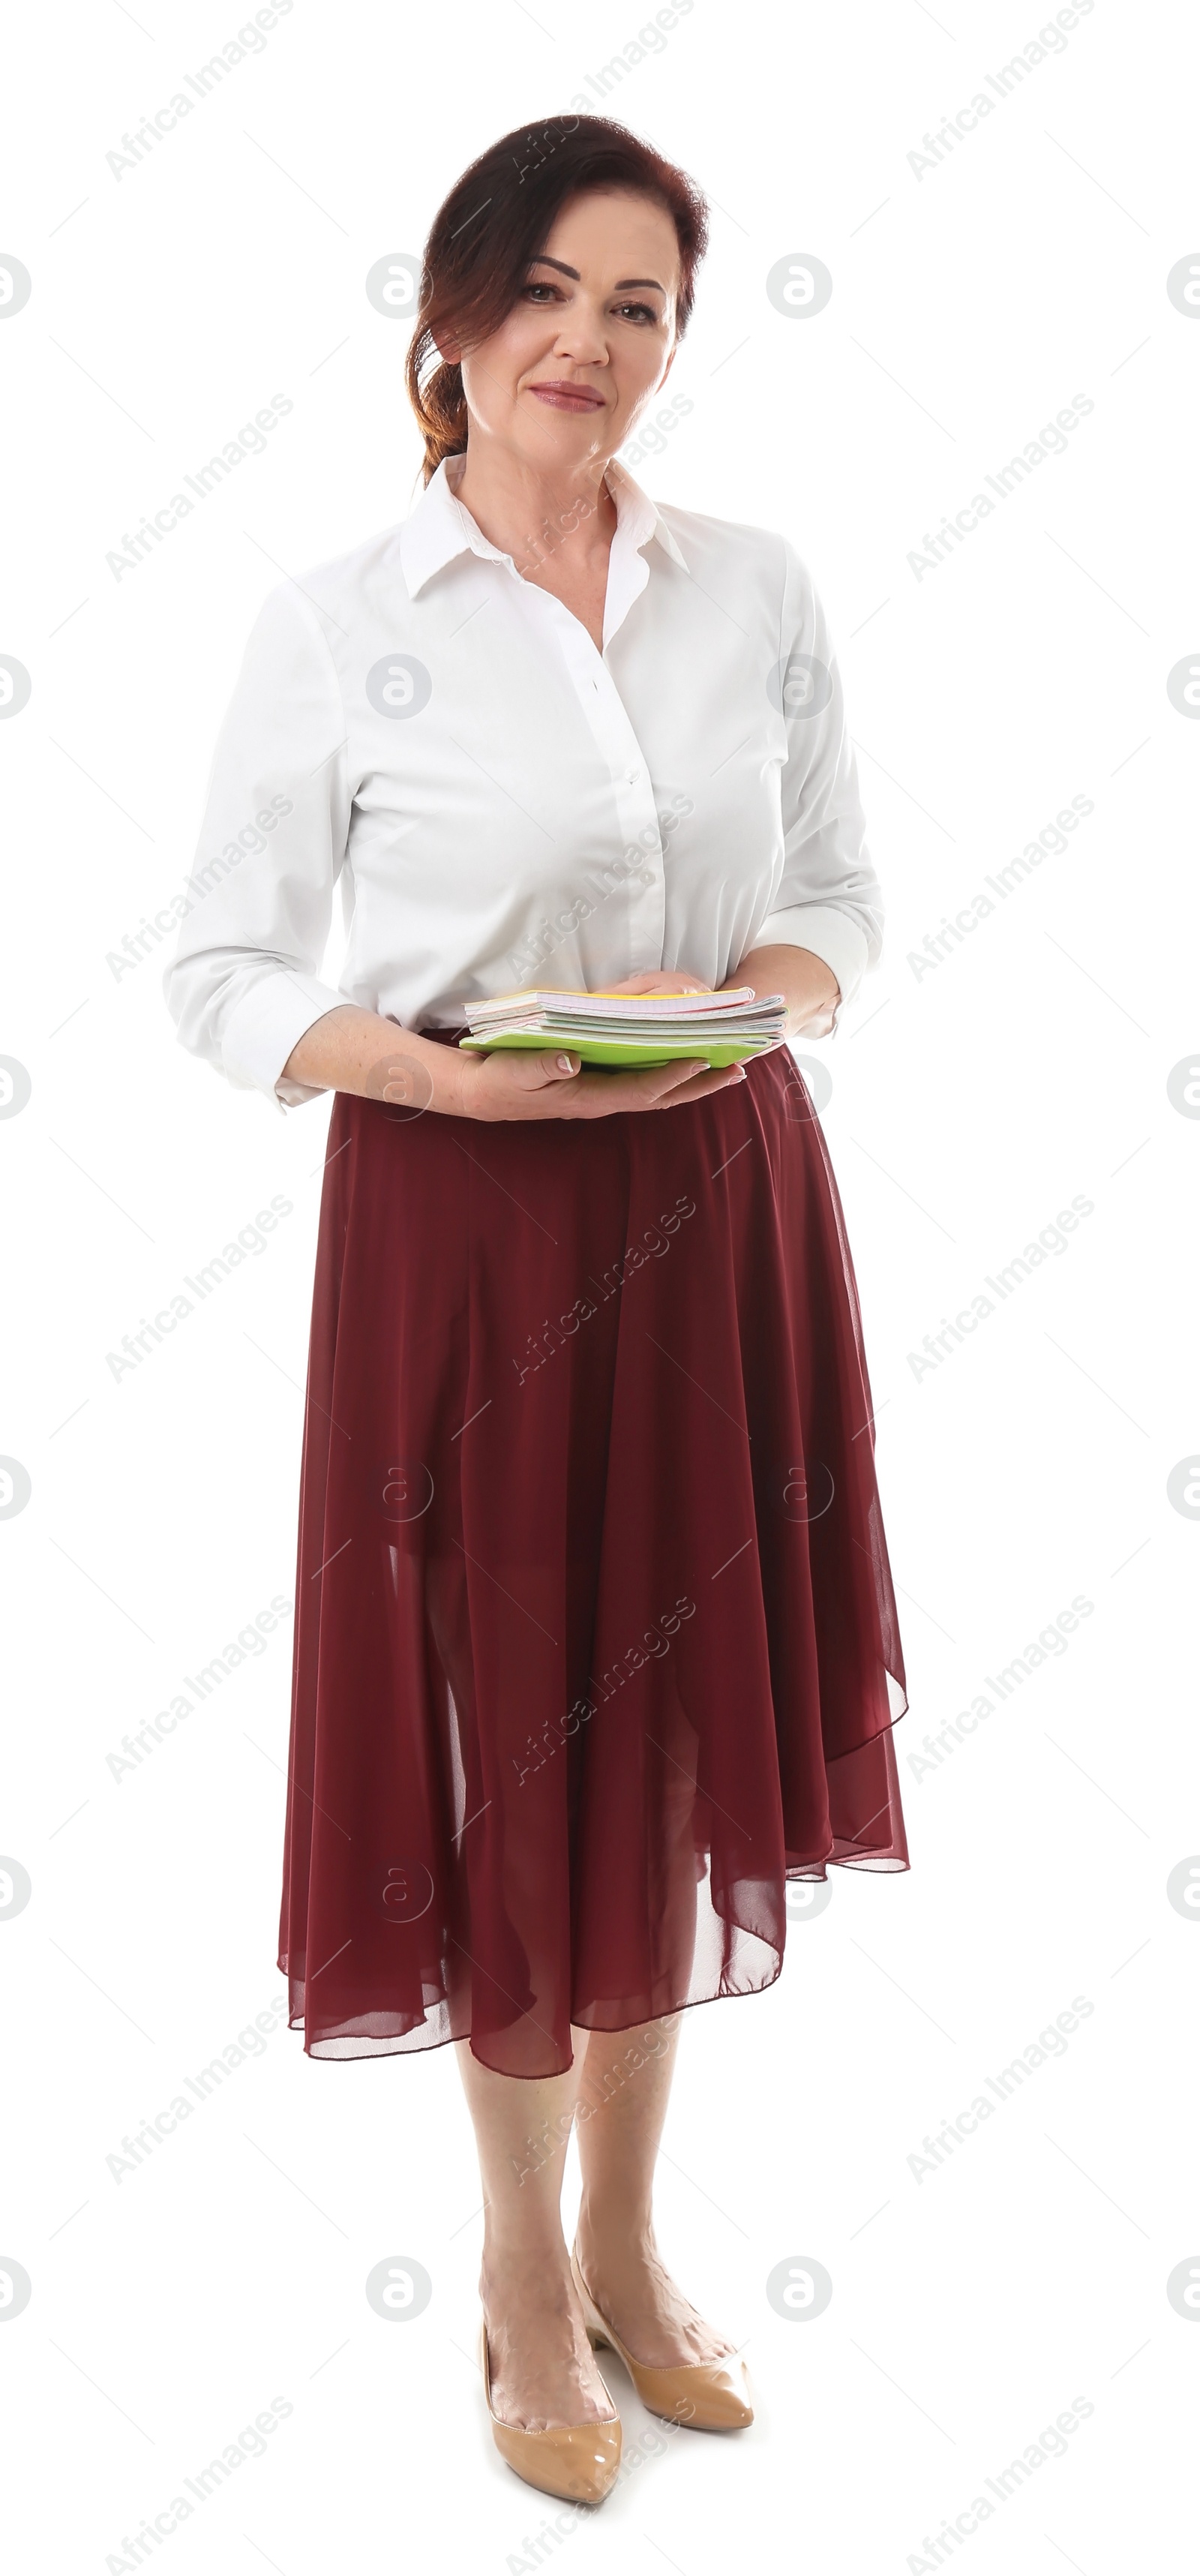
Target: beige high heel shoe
{"points": [[577, 2462], [711, 2396]]}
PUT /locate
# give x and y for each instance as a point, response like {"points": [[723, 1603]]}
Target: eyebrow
{"points": [[542, 258]]}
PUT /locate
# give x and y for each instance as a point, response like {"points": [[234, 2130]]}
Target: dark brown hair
{"points": [[494, 222]]}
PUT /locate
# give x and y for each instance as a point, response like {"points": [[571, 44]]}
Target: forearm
{"points": [[356, 1050], [809, 987]]}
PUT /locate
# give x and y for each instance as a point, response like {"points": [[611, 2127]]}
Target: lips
{"points": [[567, 397]]}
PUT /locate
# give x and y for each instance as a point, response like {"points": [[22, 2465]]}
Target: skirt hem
{"points": [[334, 2048]]}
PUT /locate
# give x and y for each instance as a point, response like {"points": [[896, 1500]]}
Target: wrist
{"points": [[815, 1020], [408, 1071], [808, 984], [459, 1077]]}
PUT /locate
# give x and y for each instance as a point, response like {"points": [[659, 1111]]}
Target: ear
{"points": [[448, 351]]}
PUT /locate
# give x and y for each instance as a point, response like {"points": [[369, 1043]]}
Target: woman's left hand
{"points": [[809, 987], [665, 980]]}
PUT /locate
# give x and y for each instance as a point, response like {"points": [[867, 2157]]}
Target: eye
{"points": [[541, 290]]}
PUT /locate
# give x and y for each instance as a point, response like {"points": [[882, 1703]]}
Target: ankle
{"points": [[506, 2262], [623, 2227]]}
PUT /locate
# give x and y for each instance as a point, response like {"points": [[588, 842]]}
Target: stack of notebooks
{"points": [[633, 1028]]}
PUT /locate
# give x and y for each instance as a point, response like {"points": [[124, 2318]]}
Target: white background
{"points": [[971, 302]]}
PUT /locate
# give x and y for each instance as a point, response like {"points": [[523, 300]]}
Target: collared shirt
{"points": [[505, 806]]}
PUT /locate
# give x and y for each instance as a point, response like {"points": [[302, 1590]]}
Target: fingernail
{"points": [[566, 1064]]}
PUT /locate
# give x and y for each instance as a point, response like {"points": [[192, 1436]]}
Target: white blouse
{"points": [[505, 806]]}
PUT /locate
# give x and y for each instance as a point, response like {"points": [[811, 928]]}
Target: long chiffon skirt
{"points": [[596, 1643]]}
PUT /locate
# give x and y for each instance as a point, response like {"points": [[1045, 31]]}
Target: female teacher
{"points": [[596, 1644]]}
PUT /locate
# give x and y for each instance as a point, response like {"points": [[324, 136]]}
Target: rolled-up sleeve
{"points": [[243, 984], [828, 898]]}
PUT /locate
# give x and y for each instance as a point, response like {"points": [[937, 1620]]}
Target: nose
{"points": [[582, 336]]}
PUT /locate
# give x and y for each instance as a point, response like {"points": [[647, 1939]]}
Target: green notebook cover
{"points": [[626, 1051]]}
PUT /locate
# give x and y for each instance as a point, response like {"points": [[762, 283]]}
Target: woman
{"points": [[596, 1644]]}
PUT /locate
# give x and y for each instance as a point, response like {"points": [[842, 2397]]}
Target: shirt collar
{"points": [[440, 527]]}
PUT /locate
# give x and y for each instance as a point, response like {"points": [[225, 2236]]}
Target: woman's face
{"points": [[588, 342]]}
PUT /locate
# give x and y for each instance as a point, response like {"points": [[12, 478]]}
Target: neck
{"points": [[529, 511]]}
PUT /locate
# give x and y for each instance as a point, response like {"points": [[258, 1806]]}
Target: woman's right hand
{"points": [[350, 1049], [517, 1082]]}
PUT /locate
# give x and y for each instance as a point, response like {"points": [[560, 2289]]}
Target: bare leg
{"points": [[626, 2084], [543, 2369]]}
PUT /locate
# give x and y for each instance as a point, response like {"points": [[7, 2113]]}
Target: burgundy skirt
{"points": [[596, 1643]]}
